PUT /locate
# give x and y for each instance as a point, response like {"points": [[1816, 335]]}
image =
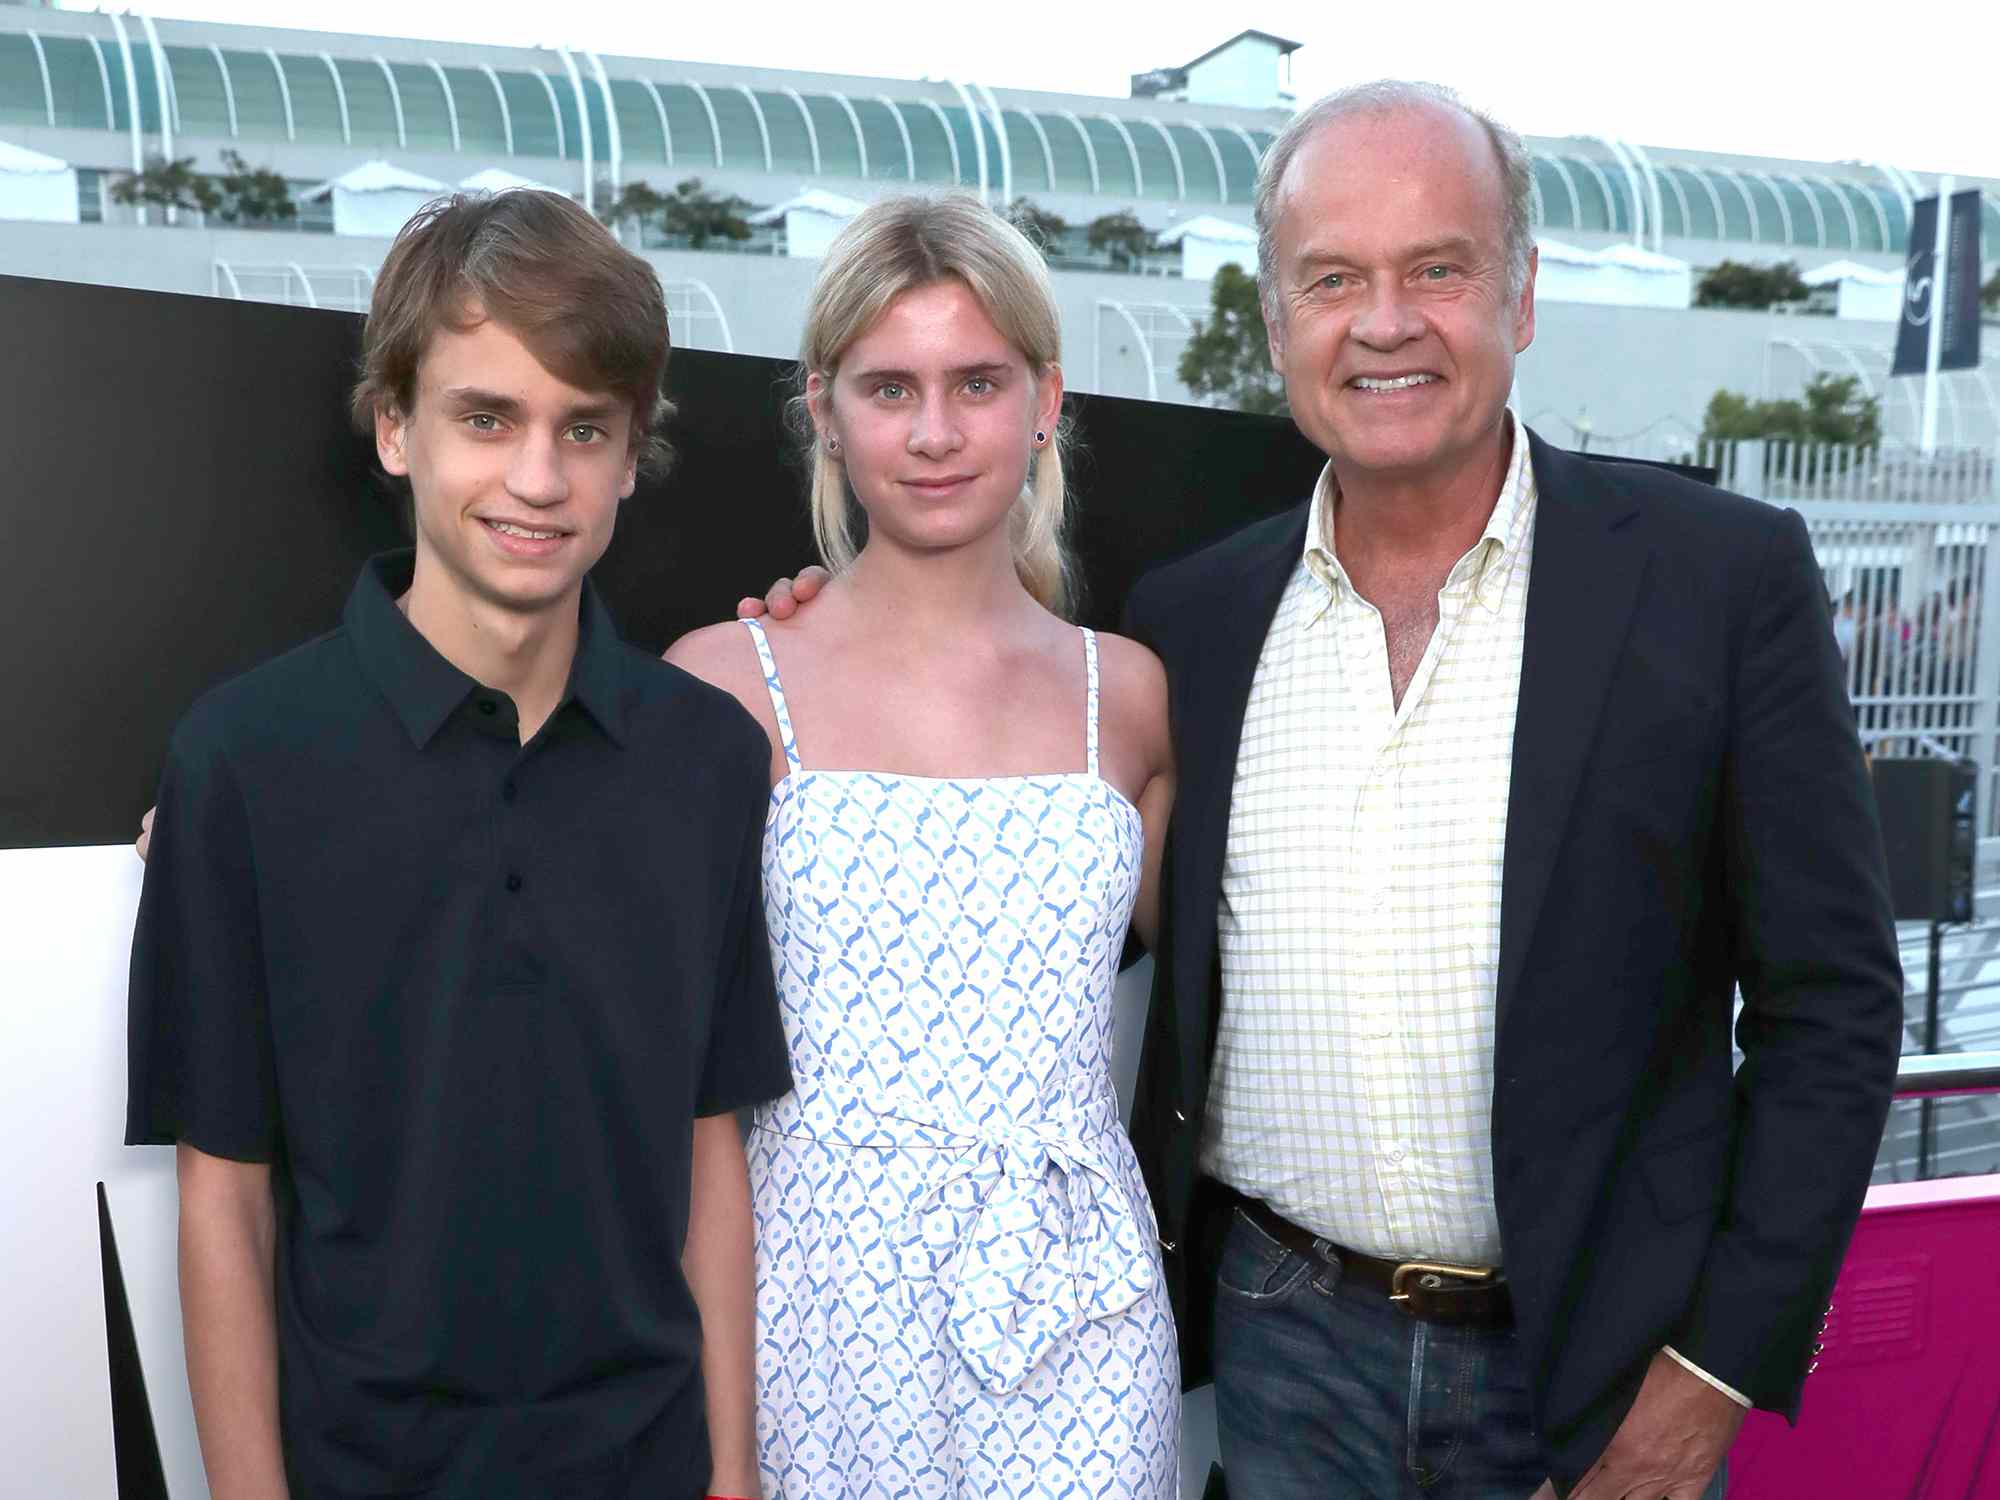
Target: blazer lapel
{"points": [[1589, 561], [1238, 614]]}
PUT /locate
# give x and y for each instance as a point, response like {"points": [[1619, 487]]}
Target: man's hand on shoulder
{"points": [[784, 597], [145, 839], [1671, 1441]]}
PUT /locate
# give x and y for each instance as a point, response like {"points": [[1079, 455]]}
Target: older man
{"points": [[1500, 770]]}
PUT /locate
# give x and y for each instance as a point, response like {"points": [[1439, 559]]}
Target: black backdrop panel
{"points": [[184, 498]]}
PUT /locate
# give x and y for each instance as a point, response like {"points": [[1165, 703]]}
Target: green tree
{"points": [[1228, 361], [168, 184], [635, 203], [1121, 236], [253, 195], [692, 210], [1039, 224], [1734, 284], [1834, 410]]}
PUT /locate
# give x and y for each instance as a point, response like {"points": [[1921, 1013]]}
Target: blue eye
{"points": [[583, 432], [1437, 273], [979, 385], [484, 421], [891, 390]]}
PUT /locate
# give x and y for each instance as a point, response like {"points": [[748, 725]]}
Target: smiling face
{"points": [[935, 414], [516, 475], [1394, 325]]}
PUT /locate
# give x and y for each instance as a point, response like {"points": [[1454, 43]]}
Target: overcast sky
{"points": [[1826, 80]]}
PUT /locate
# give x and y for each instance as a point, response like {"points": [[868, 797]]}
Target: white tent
{"points": [[1622, 276], [1861, 292], [375, 198], [494, 180], [34, 186], [811, 221], [1208, 244]]}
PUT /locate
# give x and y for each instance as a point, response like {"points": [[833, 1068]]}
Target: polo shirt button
{"points": [[513, 880], [488, 707], [507, 790]]}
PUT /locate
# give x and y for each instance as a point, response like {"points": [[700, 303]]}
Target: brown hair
{"points": [[588, 309]]}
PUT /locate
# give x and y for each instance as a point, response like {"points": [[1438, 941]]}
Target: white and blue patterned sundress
{"points": [[959, 1294]]}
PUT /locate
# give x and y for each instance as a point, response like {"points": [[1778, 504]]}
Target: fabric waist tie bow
{"points": [[1035, 1231]]}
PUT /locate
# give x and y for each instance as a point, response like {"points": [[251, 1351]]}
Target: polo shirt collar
{"points": [[425, 690]]}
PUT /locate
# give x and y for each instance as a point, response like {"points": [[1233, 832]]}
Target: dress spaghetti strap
{"points": [[784, 717], [1090, 701]]}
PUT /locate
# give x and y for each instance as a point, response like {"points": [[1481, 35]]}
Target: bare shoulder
{"points": [[725, 656], [1133, 688]]}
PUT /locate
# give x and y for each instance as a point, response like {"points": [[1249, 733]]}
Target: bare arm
{"points": [[719, 1262], [1155, 805], [227, 1238]]}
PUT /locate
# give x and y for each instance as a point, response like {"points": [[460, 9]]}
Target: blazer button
{"points": [[1180, 1118], [1811, 1367], [1170, 1247]]}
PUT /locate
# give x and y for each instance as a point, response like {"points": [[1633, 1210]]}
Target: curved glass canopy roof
{"points": [[683, 125]]}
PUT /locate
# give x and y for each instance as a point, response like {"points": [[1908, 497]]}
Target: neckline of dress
{"points": [[1016, 777]]}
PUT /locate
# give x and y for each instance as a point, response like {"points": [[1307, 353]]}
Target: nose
{"points": [[934, 427], [1388, 319], [535, 474]]}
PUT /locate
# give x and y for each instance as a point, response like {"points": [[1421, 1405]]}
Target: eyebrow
{"points": [[470, 397], [988, 368], [1450, 244]]}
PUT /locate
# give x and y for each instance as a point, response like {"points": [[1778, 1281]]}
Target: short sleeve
{"points": [[747, 1061], [199, 1054]]}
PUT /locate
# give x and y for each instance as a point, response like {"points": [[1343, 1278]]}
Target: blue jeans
{"points": [[1327, 1392]]}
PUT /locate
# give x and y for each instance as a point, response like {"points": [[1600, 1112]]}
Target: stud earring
{"points": [[832, 444], [1040, 438]]}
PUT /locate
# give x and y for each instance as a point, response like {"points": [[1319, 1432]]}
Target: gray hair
{"points": [[1386, 96]]}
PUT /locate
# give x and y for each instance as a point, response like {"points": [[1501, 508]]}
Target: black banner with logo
{"points": [[1958, 348]]}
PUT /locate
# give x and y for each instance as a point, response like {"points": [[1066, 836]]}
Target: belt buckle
{"points": [[1430, 1277]]}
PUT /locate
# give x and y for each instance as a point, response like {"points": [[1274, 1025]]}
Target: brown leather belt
{"points": [[1429, 1291]]}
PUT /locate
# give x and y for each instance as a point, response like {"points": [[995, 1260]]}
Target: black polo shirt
{"points": [[467, 997]]}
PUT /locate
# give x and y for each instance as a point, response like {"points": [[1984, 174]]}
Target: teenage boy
{"points": [[451, 965]]}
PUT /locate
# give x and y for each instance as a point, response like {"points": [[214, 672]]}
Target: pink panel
{"points": [[1906, 1400]]}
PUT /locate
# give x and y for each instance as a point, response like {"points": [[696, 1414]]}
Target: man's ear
{"points": [[1524, 312], [631, 480], [391, 430]]}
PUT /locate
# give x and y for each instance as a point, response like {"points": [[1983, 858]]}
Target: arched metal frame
{"points": [[999, 120], [1881, 219], [1173, 155], [1655, 205], [714, 123], [1735, 180], [340, 98], [1249, 142], [506, 114], [812, 130], [944, 124], [1131, 151], [614, 133], [1834, 187], [763, 125], [1901, 188], [903, 129], [1812, 203], [1681, 202], [229, 91], [395, 103], [1048, 152], [131, 99], [1215, 151], [582, 129], [978, 135], [104, 77], [1569, 187], [163, 88], [714, 303], [1714, 198], [660, 109], [555, 112], [1145, 346], [1637, 227], [450, 103], [284, 94], [1089, 150], [48, 87], [1139, 334], [854, 123], [1604, 186], [1535, 210], [1786, 236]]}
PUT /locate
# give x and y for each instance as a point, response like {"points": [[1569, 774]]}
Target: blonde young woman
{"points": [[959, 1292]]}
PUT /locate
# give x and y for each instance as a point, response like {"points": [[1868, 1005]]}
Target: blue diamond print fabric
{"points": [[959, 1293]]}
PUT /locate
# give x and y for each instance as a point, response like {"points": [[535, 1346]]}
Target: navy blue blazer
{"points": [[1689, 812]]}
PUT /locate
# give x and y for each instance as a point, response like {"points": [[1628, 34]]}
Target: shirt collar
{"points": [[1491, 557], [425, 690]]}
